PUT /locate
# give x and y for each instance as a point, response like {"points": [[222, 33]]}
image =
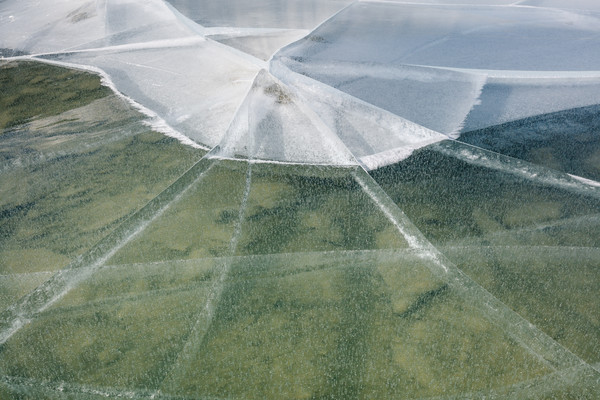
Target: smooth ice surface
{"points": [[291, 14], [470, 37], [565, 4]]}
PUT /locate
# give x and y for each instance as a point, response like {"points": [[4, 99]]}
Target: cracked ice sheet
{"points": [[530, 242], [434, 98], [378, 52], [41, 27], [274, 124], [71, 175], [288, 14], [459, 36], [285, 326], [373, 135], [196, 87]]}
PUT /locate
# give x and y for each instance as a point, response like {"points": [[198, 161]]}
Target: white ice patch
{"points": [[274, 124], [43, 27], [500, 63], [375, 136], [434, 98], [202, 81], [407, 70], [154, 121]]}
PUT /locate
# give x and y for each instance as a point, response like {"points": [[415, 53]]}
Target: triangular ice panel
{"points": [[274, 124], [261, 43]]}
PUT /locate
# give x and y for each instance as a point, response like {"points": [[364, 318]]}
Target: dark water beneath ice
{"points": [[567, 141]]}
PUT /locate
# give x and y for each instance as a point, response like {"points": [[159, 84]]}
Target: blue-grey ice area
{"points": [[452, 68], [584, 5]]}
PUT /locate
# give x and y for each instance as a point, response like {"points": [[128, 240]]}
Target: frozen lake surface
{"points": [[299, 199]]}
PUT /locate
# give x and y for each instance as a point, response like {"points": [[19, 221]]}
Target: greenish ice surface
{"points": [[293, 208], [530, 242], [201, 222], [567, 141], [132, 266], [13, 286], [353, 324], [78, 164], [123, 328]]}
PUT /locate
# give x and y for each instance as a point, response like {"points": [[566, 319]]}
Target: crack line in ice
{"points": [[265, 161], [19, 384], [523, 169], [419, 73], [584, 220], [530, 337], [392, 156], [205, 317], [585, 180], [25, 274], [517, 74], [128, 297], [22, 312], [412, 240], [189, 41], [265, 257], [235, 31], [144, 66], [520, 247]]}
